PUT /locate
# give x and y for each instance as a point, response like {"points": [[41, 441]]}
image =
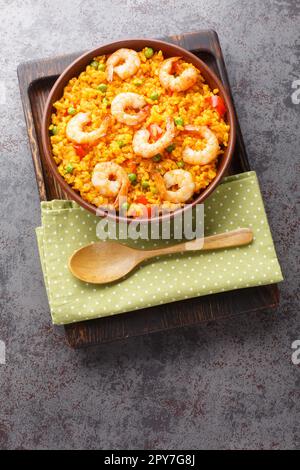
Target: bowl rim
{"points": [[78, 65]]}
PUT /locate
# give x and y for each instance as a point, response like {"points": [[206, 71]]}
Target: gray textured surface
{"points": [[226, 385]]}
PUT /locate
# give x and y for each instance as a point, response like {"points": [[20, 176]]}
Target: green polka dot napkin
{"points": [[235, 203]]}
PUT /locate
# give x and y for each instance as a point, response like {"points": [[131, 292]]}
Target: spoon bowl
{"points": [[103, 262]]}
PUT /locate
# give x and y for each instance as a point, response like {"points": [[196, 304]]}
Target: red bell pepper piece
{"points": [[142, 200], [80, 150], [132, 167], [218, 104]]}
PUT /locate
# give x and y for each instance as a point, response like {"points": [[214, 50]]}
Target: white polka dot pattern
{"points": [[235, 203]]}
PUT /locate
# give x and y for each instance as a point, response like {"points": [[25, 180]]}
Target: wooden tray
{"points": [[35, 80]]}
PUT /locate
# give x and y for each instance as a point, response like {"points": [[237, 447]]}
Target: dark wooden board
{"points": [[35, 80]]}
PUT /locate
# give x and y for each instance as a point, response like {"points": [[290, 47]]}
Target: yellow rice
{"points": [[82, 94]]}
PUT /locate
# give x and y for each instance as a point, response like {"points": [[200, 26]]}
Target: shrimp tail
{"points": [[143, 114], [109, 73], [160, 184], [170, 126], [192, 129], [174, 59], [105, 124], [122, 194]]}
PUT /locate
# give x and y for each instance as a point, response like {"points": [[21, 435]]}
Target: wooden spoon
{"points": [[103, 262]]}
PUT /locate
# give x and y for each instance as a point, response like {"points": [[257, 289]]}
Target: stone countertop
{"points": [[230, 384]]}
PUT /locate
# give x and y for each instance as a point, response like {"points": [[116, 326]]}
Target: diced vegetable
{"points": [[102, 87], [80, 150], [142, 200], [101, 67], [137, 82], [217, 102], [179, 121], [95, 64], [148, 52], [121, 143], [54, 130], [125, 206], [154, 96], [132, 177], [71, 110], [145, 184], [170, 148], [69, 168], [132, 166], [157, 158], [180, 164]]}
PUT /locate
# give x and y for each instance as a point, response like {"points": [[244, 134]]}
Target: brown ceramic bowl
{"points": [[168, 50]]}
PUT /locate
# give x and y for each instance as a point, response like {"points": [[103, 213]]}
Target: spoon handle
{"points": [[239, 237]]}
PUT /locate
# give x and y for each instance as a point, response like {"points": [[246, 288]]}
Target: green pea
{"points": [[102, 87], [179, 121], [69, 168], [54, 130], [71, 110], [105, 101], [157, 158], [154, 95], [180, 164], [170, 148], [94, 64], [125, 206], [132, 177], [145, 184], [148, 52], [137, 82], [101, 67], [120, 143]]}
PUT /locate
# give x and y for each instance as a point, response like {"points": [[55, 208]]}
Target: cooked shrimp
{"points": [[182, 82], [129, 100], [111, 180], [123, 62], [208, 154], [137, 210], [180, 179], [142, 147], [75, 133], [167, 206]]}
